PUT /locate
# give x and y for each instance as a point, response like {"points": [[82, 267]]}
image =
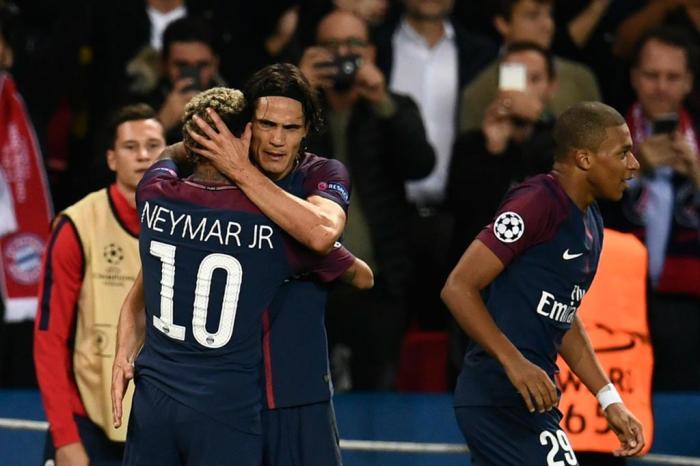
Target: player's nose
{"points": [[632, 163]]}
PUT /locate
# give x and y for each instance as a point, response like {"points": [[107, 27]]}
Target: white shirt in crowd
{"points": [[430, 77], [160, 21]]}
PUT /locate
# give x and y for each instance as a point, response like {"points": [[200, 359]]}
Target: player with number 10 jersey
{"points": [[211, 264]]}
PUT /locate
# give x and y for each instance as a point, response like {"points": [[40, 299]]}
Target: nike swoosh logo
{"points": [[568, 257]]}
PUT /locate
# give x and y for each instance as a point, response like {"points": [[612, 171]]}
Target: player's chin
{"points": [[274, 170], [617, 193]]}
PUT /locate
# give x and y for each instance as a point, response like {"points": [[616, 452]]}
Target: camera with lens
{"points": [[346, 66]]}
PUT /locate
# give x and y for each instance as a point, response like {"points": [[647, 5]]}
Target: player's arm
{"points": [[477, 268], [58, 297], [316, 222], [131, 332], [359, 275], [577, 351]]}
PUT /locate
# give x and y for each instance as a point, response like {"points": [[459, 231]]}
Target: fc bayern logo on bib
{"points": [[509, 227]]}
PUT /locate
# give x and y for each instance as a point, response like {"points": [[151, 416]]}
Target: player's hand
{"points": [[533, 384], [316, 65], [122, 373], [225, 151], [72, 454], [174, 106], [627, 428], [370, 83]]}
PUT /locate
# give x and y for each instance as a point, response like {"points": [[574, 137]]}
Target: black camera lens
{"points": [[347, 66]]}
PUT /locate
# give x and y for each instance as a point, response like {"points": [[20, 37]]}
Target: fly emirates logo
{"points": [[558, 311]]}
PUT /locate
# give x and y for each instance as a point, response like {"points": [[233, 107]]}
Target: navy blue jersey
{"points": [[550, 251], [295, 344], [211, 264]]}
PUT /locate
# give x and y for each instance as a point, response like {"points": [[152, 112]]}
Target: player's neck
{"points": [[207, 173], [576, 187]]}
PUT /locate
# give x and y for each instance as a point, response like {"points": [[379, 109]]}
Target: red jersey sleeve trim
{"points": [[59, 291]]}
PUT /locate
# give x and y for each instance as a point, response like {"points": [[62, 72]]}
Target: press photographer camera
{"points": [[345, 68]]}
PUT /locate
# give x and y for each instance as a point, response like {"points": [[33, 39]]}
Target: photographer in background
{"points": [[663, 206], [379, 136], [190, 65]]}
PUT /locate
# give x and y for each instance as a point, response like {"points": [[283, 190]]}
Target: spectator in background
{"points": [[379, 136], [89, 265], [678, 14], [190, 65], [374, 12], [527, 20], [663, 206], [429, 57], [684, 14], [25, 214], [514, 142], [122, 64]]}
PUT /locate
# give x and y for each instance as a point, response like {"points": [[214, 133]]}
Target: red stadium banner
{"points": [[25, 204], [614, 315]]}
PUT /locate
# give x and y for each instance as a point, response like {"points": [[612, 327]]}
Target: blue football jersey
{"points": [[294, 342], [550, 249], [211, 265]]}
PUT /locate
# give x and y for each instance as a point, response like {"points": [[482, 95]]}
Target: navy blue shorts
{"points": [[511, 436], [100, 449], [163, 431], [301, 436]]}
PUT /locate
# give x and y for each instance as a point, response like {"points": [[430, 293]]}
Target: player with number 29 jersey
{"points": [[211, 262], [550, 251]]}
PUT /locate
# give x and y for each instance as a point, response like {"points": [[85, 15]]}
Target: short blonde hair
{"points": [[228, 104]]}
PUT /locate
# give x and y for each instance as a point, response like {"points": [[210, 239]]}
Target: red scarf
{"points": [[26, 194], [681, 271]]}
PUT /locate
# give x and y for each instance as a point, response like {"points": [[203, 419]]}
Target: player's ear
{"points": [[583, 159]]}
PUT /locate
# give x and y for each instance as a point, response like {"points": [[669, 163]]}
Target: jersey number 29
{"points": [[234, 275]]}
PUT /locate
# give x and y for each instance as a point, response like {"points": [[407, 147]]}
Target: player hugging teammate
{"points": [[216, 248]]}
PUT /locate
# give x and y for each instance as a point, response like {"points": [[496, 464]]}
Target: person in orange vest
{"points": [[614, 315]]}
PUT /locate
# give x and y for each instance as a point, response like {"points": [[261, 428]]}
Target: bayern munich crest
{"points": [[509, 227], [23, 255]]}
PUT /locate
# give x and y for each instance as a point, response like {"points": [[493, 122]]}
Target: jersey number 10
{"points": [[234, 276]]}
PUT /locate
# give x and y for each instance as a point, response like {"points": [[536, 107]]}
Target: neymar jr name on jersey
{"points": [[163, 220]]}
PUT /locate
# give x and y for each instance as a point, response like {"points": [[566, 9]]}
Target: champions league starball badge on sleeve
{"points": [[509, 227]]}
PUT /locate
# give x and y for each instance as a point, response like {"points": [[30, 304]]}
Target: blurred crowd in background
{"points": [[414, 109]]}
